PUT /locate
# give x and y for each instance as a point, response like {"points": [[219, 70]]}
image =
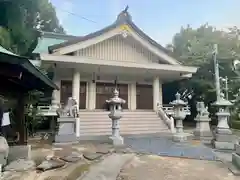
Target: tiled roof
{"points": [[48, 39], [123, 18]]}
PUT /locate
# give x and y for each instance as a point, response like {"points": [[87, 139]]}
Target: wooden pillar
{"points": [[21, 125]]}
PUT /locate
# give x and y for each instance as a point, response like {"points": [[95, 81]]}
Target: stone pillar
{"points": [[202, 131], [76, 86], [160, 94], [56, 93], [133, 96], [91, 95], [236, 157], [155, 93]]}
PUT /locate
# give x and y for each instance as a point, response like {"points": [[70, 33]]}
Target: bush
{"points": [[235, 124]]}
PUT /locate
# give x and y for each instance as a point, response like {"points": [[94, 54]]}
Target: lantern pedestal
{"points": [[202, 130], [223, 137], [179, 115], [115, 115]]}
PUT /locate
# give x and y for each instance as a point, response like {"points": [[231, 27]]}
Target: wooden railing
{"points": [[46, 110]]}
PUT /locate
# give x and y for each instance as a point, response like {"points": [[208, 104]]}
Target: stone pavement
{"points": [[164, 146], [98, 160], [109, 168], [151, 167]]}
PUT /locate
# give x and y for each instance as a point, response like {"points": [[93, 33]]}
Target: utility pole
{"points": [[216, 70], [225, 81]]}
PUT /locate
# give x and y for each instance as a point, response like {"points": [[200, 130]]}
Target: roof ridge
{"points": [[56, 34]]}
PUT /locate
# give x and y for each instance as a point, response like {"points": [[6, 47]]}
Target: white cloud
{"points": [[63, 7]]}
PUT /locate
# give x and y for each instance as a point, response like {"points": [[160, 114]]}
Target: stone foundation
{"points": [[224, 140], [19, 152], [66, 131], [236, 156], [117, 141]]}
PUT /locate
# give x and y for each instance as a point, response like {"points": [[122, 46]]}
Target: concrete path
{"points": [[109, 168], [151, 167]]}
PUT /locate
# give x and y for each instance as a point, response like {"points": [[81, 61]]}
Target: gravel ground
{"points": [[167, 168]]}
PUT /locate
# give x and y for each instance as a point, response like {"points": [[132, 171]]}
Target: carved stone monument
{"points": [[67, 122], [179, 115], [202, 131], [223, 137], [115, 115]]}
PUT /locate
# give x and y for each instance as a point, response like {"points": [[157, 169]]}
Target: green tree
{"points": [[22, 20], [193, 47]]}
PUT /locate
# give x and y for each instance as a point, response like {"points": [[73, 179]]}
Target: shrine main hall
{"points": [[87, 68]]}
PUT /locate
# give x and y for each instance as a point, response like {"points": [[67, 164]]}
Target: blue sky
{"points": [[160, 19]]}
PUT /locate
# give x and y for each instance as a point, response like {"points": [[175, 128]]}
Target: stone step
{"points": [[125, 126], [125, 119], [97, 123], [123, 112], [136, 131], [122, 123]]}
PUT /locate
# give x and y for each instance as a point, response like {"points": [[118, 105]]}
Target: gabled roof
{"points": [[37, 80], [124, 18], [48, 39]]}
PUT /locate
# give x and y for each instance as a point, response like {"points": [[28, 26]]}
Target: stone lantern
{"points": [[223, 138], [202, 131], [115, 115], [179, 114]]}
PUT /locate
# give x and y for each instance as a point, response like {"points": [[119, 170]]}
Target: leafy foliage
{"points": [[194, 47], [21, 21]]}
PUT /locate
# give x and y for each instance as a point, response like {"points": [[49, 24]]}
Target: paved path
{"points": [[109, 168], [164, 146], [150, 167]]}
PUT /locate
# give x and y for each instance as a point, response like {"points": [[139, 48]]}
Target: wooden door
{"points": [[123, 93], [144, 96], [104, 91], [66, 92], [82, 97]]}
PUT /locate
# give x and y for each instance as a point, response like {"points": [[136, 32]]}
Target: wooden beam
{"points": [[21, 125]]}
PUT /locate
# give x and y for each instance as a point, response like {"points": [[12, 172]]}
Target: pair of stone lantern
{"points": [[179, 114], [115, 115]]}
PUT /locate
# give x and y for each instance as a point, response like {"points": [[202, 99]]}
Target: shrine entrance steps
{"points": [[142, 122]]}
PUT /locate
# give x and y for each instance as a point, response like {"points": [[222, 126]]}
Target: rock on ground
{"points": [[20, 165], [155, 167], [50, 164], [109, 168]]}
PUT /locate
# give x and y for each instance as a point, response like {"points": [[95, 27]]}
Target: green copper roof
{"points": [[42, 80], [2, 50], [49, 39]]}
